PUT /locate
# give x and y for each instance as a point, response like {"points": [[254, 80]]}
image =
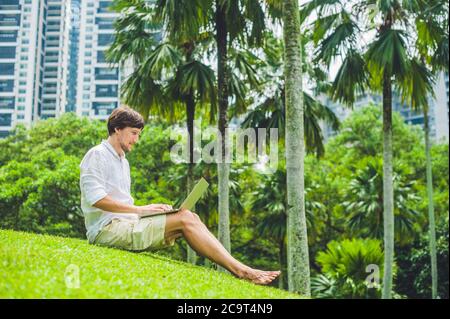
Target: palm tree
{"points": [[432, 19], [231, 19], [364, 203], [380, 63], [344, 269], [270, 199], [172, 69], [297, 240]]}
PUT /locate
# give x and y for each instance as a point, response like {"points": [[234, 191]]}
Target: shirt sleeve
{"points": [[93, 177]]}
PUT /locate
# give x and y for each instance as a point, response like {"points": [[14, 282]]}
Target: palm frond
{"points": [[351, 79], [417, 86], [162, 61], [388, 54]]}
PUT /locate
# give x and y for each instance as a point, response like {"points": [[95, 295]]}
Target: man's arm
{"points": [[111, 205]]}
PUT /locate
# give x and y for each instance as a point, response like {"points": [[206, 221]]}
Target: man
{"points": [[113, 220]]}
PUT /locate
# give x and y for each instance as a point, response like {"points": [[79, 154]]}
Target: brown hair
{"points": [[124, 117]]}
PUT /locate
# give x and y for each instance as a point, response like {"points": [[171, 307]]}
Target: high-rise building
{"points": [[98, 81], [441, 109], [33, 61], [52, 60], [74, 36], [56, 61]]}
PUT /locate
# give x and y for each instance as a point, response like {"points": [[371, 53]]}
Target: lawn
{"points": [[42, 266]]}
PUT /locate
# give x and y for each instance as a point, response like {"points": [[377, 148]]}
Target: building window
{"points": [[9, 20], [6, 68], [9, 5], [8, 36], [103, 7], [106, 73], [7, 103], [105, 39], [101, 57], [104, 108], [6, 85], [5, 119], [107, 90], [105, 23], [8, 53], [54, 7], [53, 38]]}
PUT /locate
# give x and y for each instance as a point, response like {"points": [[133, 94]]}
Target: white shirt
{"points": [[103, 172]]}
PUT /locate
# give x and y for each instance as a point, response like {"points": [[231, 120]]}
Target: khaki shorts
{"points": [[143, 234]]}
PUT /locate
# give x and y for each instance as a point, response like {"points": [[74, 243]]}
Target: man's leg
{"points": [[168, 237], [205, 244]]}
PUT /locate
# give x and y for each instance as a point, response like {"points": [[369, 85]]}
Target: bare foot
{"points": [[259, 277]]}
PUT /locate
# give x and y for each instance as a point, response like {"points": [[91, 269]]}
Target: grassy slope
{"points": [[34, 266]]}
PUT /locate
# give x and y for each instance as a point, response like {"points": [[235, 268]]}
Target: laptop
{"points": [[197, 192]]}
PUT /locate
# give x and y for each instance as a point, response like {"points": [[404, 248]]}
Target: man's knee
{"points": [[188, 218]]}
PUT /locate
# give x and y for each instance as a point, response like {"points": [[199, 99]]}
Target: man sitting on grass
{"points": [[112, 220]]}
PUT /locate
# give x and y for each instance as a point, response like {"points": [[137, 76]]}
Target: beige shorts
{"points": [[143, 234]]}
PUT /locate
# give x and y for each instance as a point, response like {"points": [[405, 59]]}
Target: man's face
{"points": [[127, 137]]}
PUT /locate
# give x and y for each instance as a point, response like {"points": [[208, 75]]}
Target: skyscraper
{"points": [[56, 61], [441, 109], [33, 61], [74, 36], [98, 81]]}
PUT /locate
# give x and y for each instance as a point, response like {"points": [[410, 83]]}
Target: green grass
{"points": [[40, 266]]}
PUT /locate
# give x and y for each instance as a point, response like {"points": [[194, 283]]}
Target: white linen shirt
{"points": [[103, 172]]}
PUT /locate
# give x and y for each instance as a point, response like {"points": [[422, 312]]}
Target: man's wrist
{"points": [[137, 209]]}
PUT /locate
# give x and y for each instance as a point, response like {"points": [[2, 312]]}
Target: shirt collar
{"points": [[110, 148]]}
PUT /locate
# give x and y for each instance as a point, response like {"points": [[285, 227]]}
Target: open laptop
{"points": [[197, 192]]}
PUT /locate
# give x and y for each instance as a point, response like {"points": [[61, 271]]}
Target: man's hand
{"points": [[153, 208]]}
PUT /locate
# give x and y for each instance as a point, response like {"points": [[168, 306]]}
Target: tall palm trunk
{"points": [[223, 168], [190, 115], [281, 260], [388, 191], [434, 274], [297, 240]]}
